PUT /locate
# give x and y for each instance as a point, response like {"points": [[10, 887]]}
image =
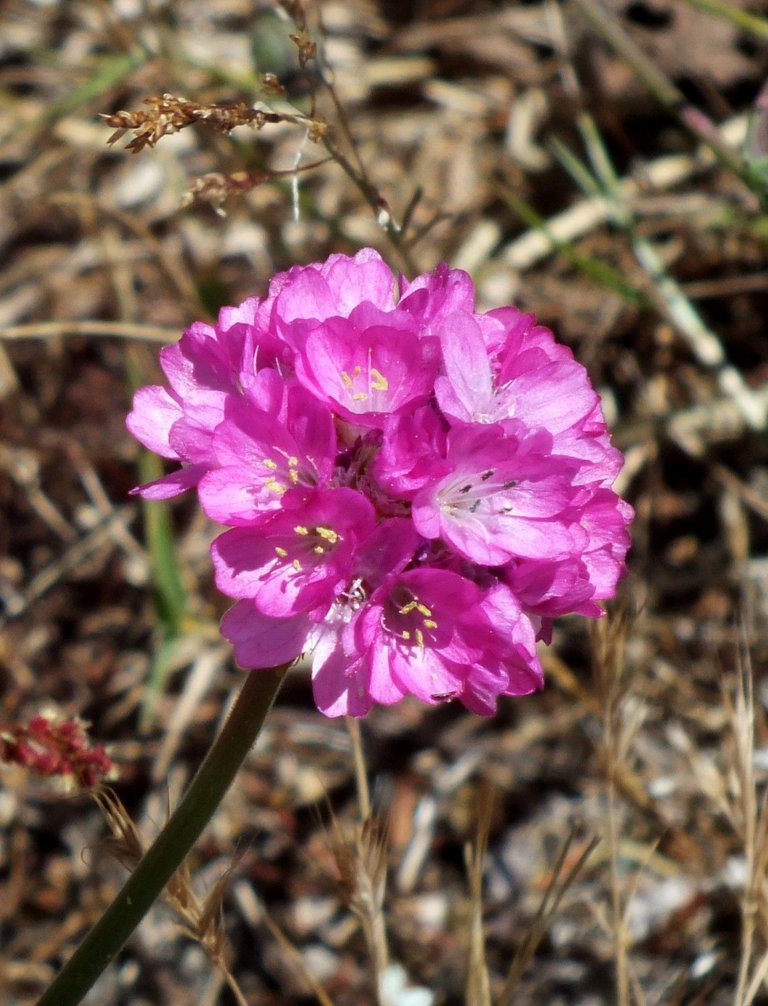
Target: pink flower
{"points": [[429, 633], [299, 559], [414, 490], [369, 366]]}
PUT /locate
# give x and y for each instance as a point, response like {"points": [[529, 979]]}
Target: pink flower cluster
{"points": [[413, 489]]}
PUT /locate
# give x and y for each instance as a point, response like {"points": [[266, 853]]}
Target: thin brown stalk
{"points": [[361, 774], [748, 816], [362, 864], [559, 883], [608, 669], [296, 959], [478, 990], [103, 329]]}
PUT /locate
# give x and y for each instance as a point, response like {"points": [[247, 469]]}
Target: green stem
{"points": [[163, 858]]}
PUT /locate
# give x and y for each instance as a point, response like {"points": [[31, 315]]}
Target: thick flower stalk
{"points": [[413, 489]]}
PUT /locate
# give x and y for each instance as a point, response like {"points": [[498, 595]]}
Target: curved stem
{"points": [[163, 858]]}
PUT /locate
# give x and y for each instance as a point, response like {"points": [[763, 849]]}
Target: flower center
{"points": [[373, 380], [283, 473], [411, 620], [466, 494], [313, 543]]}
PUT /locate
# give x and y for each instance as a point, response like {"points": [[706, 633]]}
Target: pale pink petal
{"points": [[154, 413], [262, 642], [171, 485]]}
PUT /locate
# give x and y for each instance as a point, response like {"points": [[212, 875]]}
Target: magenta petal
{"points": [[154, 413], [466, 387], [339, 675], [171, 485], [228, 496], [383, 687], [306, 296], [367, 374], [364, 279], [260, 641], [555, 396]]}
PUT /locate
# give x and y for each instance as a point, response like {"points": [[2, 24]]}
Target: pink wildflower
{"points": [[414, 490]]}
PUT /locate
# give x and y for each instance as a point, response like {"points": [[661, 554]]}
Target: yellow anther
{"points": [[378, 380], [293, 476], [274, 486], [318, 550], [292, 461], [430, 623], [346, 380], [419, 637], [296, 565], [300, 529], [328, 534], [270, 464], [360, 396], [280, 551], [408, 608], [423, 610], [405, 634]]}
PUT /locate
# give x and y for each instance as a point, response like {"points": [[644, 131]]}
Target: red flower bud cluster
{"points": [[52, 747]]}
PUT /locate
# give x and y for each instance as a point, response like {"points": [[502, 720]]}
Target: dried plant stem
{"points": [[374, 200], [478, 988], [617, 910], [361, 776], [611, 688], [749, 816], [358, 173], [107, 329], [294, 956], [163, 858], [562, 876], [369, 876]]}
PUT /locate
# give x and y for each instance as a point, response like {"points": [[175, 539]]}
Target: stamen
{"points": [[328, 534]]}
